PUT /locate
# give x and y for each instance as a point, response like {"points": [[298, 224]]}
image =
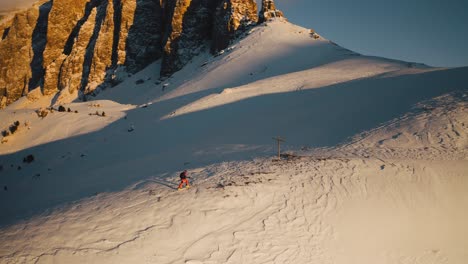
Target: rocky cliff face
{"points": [[189, 25], [231, 16], [76, 45], [269, 11], [194, 22], [16, 55]]}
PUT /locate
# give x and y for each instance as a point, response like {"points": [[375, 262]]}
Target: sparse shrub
{"points": [[76, 111], [42, 113], [103, 113], [13, 129], [140, 81], [69, 110], [61, 109], [5, 133]]}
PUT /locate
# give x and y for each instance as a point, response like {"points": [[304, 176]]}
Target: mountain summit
{"points": [[269, 11], [77, 46]]}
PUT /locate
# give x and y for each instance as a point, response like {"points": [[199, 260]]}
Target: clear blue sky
{"points": [[434, 32]]}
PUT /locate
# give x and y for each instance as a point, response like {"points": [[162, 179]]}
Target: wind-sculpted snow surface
{"points": [[379, 199], [435, 128], [310, 209]]}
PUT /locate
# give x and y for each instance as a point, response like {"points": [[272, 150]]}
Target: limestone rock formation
{"points": [[230, 17], [269, 11], [189, 25], [16, 55], [74, 45], [143, 36], [77, 45]]}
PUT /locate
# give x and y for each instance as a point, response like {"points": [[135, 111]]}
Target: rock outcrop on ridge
{"points": [[269, 11], [193, 22], [71, 46]]}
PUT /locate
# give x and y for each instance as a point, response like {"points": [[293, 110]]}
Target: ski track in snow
{"points": [[272, 212]]}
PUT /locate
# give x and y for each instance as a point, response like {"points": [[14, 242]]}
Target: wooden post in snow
{"points": [[279, 140]]}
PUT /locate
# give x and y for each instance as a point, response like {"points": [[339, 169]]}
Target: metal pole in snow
{"points": [[279, 140]]}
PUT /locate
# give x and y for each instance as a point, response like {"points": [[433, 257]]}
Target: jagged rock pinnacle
{"points": [[269, 11]]}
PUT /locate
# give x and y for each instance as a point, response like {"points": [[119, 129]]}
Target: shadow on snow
{"points": [[114, 159]]}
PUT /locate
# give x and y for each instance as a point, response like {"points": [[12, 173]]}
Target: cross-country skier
{"points": [[183, 179]]}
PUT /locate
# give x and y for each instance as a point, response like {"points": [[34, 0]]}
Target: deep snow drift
{"points": [[379, 174]]}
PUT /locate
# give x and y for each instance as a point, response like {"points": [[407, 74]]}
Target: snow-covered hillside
{"points": [[378, 173]]}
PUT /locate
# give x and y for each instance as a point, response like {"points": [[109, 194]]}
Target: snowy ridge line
{"points": [[444, 118]]}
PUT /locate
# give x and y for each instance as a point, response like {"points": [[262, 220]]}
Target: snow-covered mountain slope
{"points": [[383, 162], [434, 129], [336, 210]]}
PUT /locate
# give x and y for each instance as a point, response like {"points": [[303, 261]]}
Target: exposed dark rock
{"points": [[61, 109], [39, 41], [189, 24], [13, 128], [144, 39], [28, 159]]}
